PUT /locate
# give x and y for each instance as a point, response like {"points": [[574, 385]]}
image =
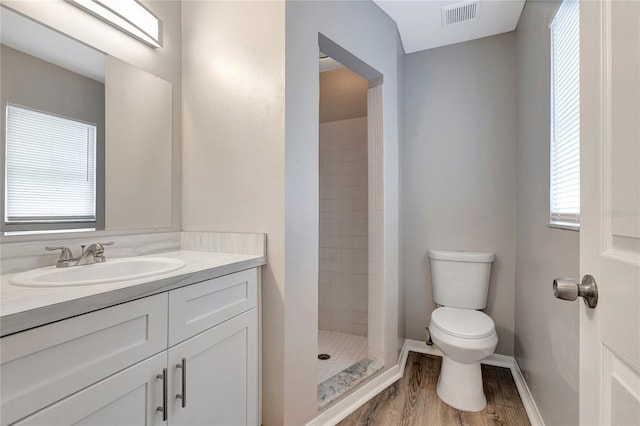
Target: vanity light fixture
{"points": [[126, 15]]}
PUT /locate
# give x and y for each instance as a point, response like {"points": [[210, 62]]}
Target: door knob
{"points": [[569, 289]]}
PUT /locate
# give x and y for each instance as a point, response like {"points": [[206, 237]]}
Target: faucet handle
{"points": [[99, 254], [65, 253]]}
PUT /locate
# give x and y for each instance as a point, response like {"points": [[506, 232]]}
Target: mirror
{"points": [[45, 71]]}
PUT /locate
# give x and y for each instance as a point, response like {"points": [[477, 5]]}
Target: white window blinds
{"points": [[50, 168], [565, 115]]}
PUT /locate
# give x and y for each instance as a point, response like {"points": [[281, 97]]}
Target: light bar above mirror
{"points": [[128, 16]]}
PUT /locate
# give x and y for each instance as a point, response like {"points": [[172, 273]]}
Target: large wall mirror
{"points": [[86, 138]]}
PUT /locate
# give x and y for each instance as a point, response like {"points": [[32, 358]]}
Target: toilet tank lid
{"points": [[461, 256]]}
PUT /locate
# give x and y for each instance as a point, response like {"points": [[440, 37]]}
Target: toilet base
{"points": [[460, 385]]}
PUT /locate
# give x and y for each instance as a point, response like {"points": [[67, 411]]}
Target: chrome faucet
{"points": [[92, 254]]}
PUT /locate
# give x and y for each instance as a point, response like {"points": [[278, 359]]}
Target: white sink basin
{"points": [[112, 270]]}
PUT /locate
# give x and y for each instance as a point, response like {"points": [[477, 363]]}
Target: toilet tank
{"points": [[460, 279]]}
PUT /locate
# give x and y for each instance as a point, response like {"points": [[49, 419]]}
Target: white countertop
{"points": [[22, 308]]}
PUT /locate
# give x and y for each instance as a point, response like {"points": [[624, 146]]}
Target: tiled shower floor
{"points": [[345, 350]]}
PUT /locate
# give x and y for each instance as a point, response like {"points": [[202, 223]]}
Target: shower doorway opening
{"points": [[350, 282]]}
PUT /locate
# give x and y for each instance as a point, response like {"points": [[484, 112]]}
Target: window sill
{"points": [[565, 226], [47, 231]]}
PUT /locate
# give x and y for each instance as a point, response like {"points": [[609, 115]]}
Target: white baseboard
{"points": [[340, 409], [497, 360], [525, 394]]}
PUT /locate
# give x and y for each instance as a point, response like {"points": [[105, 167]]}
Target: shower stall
{"points": [[350, 281], [344, 244]]}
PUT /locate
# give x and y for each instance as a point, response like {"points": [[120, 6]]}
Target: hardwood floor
{"points": [[413, 400]]}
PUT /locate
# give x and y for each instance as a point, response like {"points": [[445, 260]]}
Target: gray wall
{"points": [[459, 170], [34, 83], [401, 182], [547, 329], [344, 23]]}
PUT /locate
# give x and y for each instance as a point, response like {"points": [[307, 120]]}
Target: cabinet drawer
{"points": [[197, 307], [43, 365]]}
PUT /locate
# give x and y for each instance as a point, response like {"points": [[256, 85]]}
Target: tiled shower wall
{"points": [[376, 224], [343, 268]]}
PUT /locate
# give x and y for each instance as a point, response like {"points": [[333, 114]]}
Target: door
{"points": [[610, 211], [221, 380], [130, 397]]}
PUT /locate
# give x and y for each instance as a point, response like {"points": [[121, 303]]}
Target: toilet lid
{"points": [[464, 323]]}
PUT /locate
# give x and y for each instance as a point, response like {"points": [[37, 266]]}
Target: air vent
{"points": [[459, 12]]}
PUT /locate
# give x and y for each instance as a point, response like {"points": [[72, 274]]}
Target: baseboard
{"points": [[525, 394], [496, 360], [340, 409]]}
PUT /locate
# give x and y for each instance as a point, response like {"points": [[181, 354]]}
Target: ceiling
{"points": [[34, 39], [327, 63], [420, 22]]}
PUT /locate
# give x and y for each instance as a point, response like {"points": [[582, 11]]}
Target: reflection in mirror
{"points": [[53, 104], [138, 152], [57, 175]]}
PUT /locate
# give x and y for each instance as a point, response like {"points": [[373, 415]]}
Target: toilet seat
{"points": [[463, 323]]}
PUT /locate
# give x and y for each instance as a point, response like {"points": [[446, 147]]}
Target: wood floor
{"points": [[412, 400]]}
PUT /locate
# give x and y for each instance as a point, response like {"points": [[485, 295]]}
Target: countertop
{"points": [[22, 308]]}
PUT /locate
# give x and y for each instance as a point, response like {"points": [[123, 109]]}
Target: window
{"points": [[565, 116], [50, 171]]}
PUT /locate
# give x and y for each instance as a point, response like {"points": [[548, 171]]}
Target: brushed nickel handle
{"points": [[65, 253], [183, 396], [165, 391], [569, 289]]}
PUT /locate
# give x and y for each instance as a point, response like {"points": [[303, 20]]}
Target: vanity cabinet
{"points": [[129, 397], [221, 380], [106, 367]]}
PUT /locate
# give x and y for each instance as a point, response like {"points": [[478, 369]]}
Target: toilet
{"points": [[466, 336]]}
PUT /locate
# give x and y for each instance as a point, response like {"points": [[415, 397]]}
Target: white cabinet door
{"points": [[46, 364], [221, 375], [130, 398]]}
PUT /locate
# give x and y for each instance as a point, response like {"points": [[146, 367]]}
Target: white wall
{"points": [[233, 139], [547, 329], [138, 122], [344, 216], [366, 32], [459, 170]]}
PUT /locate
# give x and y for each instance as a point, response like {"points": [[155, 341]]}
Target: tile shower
{"points": [[344, 242], [345, 349]]}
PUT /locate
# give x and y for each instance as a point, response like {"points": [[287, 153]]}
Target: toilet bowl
{"points": [[465, 338]]}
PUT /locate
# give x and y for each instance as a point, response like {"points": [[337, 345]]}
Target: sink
{"points": [[99, 273]]}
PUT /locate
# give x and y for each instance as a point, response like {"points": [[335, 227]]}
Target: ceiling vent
{"points": [[459, 12]]}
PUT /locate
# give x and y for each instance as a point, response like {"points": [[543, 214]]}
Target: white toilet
{"points": [[466, 336]]}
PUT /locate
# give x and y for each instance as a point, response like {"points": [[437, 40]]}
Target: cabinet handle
{"points": [[183, 395], [165, 390]]}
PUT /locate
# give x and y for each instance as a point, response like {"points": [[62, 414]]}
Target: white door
{"points": [[128, 398], [221, 381], [610, 211]]}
